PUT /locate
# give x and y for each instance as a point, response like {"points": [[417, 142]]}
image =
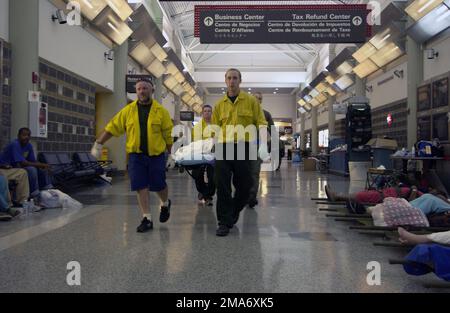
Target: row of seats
{"points": [[82, 166]]}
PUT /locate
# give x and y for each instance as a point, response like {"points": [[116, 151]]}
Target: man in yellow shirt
{"points": [[148, 128], [206, 189], [237, 109]]}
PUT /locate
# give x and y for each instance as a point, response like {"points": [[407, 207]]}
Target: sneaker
{"points": [[5, 217], [222, 231], [145, 226], [14, 212], [165, 213]]}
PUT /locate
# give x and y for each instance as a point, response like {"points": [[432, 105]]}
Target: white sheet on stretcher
{"points": [[198, 152]]}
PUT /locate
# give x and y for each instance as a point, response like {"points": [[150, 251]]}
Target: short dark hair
{"points": [[207, 106], [22, 130], [236, 70]]}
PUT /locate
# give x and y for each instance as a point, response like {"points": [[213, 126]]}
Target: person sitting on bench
{"points": [[20, 154], [6, 210]]}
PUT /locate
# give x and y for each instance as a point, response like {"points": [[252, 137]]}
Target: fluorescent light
{"points": [[365, 69], [331, 78], [301, 102], [381, 39], [197, 99], [307, 98], [321, 87], [386, 55], [112, 26], [91, 8], [159, 52], [314, 102], [344, 68], [121, 8], [156, 68], [344, 82], [322, 98], [170, 82], [186, 87], [172, 69], [364, 52], [177, 89], [313, 93], [142, 54], [330, 90], [186, 98], [420, 8], [180, 77]]}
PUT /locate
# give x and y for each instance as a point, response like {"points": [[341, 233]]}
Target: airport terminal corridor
{"points": [[284, 245]]}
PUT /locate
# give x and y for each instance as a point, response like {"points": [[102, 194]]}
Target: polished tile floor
{"points": [[285, 245]]}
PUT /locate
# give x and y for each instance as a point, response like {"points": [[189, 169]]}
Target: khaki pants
{"points": [[21, 177]]}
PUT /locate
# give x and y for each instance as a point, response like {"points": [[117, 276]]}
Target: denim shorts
{"points": [[147, 172]]}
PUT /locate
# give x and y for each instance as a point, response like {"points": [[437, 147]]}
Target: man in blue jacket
{"points": [[20, 154]]}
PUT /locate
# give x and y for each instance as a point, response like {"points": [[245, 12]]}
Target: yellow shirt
{"points": [[245, 111], [198, 132], [159, 128]]}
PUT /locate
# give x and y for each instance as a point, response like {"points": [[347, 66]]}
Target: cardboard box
{"points": [[309, 165], [383, 143]]}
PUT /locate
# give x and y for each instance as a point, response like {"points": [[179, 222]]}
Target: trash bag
{"points": [[54, 198]]}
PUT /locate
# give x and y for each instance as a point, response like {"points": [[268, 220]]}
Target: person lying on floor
{"points": [[374, 196], [412, 239], [430, 203]]}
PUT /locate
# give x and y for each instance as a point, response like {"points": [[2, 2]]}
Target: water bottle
{"points": [[25, 208], [413, 151], [31, 208]]}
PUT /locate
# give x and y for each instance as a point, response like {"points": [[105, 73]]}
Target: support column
{"points": [[360, 87], [331, 100], [24, 39], [107, 105], [314, 114], [302, 132], [314, 131], [177, 100], [414, 78]]}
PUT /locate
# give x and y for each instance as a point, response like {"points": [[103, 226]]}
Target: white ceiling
{"points": [[262, 65]]}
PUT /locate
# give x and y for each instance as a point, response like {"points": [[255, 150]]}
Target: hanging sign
{"points": [[282, 24]]}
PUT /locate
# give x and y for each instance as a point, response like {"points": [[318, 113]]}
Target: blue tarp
{"points": [[428, 258]]}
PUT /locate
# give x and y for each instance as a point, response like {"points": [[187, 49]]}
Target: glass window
{"points": [[424, 128], [424, 98], [440, 93], [308, 141], [323, 138], [440, 127]]}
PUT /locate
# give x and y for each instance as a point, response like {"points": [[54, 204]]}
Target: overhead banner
{"points": [[133, 79], [186, 116], [282, 24]]}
